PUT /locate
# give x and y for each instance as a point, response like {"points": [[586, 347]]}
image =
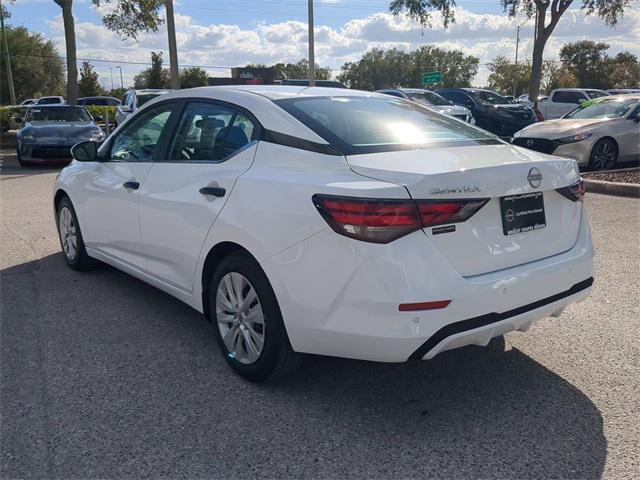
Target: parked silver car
{"points": [[597, 134], [432, 100]]}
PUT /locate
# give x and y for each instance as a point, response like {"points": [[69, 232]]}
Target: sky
{"points": [[219, 34]]}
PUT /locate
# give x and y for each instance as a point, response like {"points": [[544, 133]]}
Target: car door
{"points": [[628, 136], [185, 191], [113, 187]]}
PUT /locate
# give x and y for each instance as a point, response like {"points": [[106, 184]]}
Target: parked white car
{"points": [[133, 100], [432, 100], [563, 100], [597, 134], [52, 100], [333, 222]]}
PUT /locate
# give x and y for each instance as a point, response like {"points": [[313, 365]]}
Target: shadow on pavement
{"points": [[11, 167], [104, 376]]}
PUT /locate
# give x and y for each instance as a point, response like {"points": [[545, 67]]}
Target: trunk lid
{"points": [[479, 245]]}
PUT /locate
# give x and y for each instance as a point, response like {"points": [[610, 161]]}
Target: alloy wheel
{"points": [[604, 156], [68, 235], [240, 318]]}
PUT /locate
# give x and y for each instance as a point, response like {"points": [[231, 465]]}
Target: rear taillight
{"points": [[574, 192], [382, 221], [440, 212]]}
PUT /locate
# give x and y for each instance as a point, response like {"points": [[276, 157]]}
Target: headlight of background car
{"points": [[97, 136], [578, 137]]}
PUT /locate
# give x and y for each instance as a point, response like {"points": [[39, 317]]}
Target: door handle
{"points": [[214, 191], [131, 185]]}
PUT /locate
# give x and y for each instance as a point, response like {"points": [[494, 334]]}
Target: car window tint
{"points": [[569, 97], [203, 130], [456, 97], [367, 124], [137, 141]]}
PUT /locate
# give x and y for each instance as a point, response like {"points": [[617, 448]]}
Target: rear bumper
{"points": [[341, 297]]}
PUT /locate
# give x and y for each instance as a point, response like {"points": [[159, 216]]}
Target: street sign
{"points": [[431, 77]]}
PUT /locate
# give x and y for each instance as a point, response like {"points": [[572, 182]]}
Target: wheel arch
{"points": [[213, 258], [58, 196]]}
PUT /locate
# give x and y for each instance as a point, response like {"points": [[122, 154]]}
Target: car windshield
{"points": [[604, 108], [429, 97], [58, 114], [359, 124], [487, 97], [142, 99]]}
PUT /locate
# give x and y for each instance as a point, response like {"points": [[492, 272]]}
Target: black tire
{"points": [[19, 157], [604, 155], [277, 359], [79, 260]]}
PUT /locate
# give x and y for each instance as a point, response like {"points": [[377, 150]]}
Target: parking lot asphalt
{"points": [[105, 376]]}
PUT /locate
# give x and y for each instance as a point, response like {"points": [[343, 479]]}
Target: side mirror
{"points": [[18, 119], [98, 118], [637, 118], [469, 105], [86, 151]]}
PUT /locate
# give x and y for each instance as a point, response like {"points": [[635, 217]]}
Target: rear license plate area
{"points": [[522, 213]]}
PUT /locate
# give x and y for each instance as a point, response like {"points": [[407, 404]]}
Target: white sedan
{"points": [[344, 223]]}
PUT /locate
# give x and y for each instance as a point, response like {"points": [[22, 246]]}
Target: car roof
{"points": [[151, 90], [55, 105]]}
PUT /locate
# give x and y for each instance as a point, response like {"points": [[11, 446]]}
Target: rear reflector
{"points": [[382, 221], [413, 307]]}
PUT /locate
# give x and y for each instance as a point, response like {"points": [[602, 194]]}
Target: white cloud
{"points": [[482, 35]]}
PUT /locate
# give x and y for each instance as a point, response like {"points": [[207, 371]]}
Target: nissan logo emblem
{"points": [[534, 177], [530, 143]]}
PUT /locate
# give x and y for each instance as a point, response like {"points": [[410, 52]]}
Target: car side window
{"points": [[569, 97], [210, 132], [457, 98], [137, 142]]}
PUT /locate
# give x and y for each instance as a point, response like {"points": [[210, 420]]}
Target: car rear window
{"points": [[355, 124]]}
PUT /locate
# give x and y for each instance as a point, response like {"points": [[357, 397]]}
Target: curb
{"points": [[612, 188]]}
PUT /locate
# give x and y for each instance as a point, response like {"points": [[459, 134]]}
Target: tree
{"points": [[193, 77], [457, 68], [88, 85], [70, 45], [505, 75], [588, 61], [129, 18], [153, 77], [609, 10], [394, 68], [300, 69], [625, 71], [35, 61], [555, 75]]}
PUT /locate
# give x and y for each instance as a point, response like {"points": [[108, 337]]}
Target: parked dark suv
{"points": [[492, 111]]}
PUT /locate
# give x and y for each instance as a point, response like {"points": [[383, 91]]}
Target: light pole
{"points": [[121, 82], [312, 59], [111, 75], [12, 92], [173, 49], [515, 73]]}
